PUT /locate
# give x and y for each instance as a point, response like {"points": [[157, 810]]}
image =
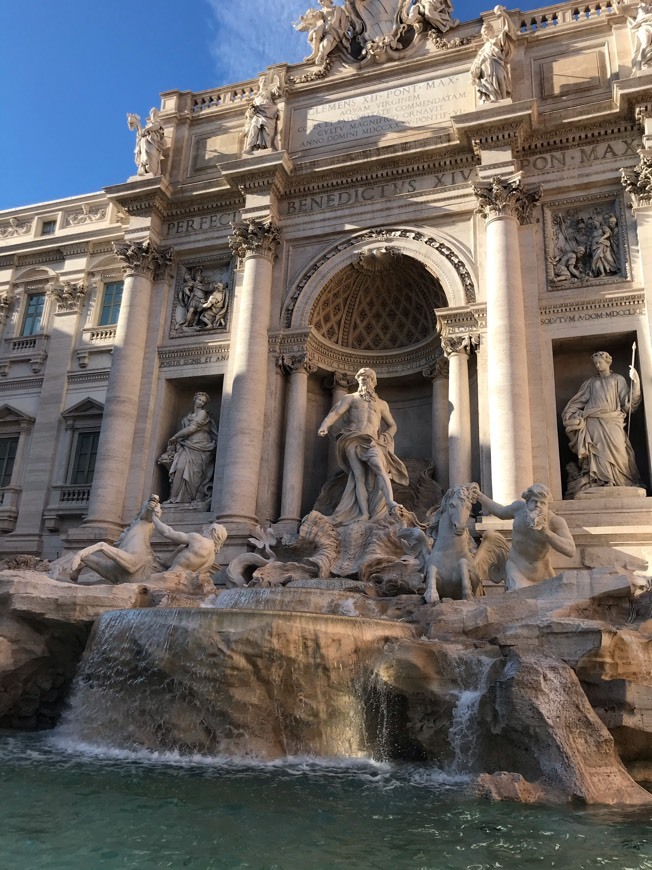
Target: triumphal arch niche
{"points": [[382, 298]]}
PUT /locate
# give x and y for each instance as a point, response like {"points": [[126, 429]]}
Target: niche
{"points": [[573, 366]]}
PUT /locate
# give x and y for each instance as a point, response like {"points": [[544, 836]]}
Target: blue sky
{"points": [[72, 69]]}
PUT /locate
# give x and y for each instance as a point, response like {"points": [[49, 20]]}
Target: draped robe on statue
{"points": [[348, 510], [594, 420]]}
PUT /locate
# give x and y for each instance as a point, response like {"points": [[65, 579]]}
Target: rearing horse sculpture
{"points": [[453, 569], [131, 559]]}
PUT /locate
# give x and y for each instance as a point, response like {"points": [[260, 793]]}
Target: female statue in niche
{"points": [[490, 71], [190, 457]]}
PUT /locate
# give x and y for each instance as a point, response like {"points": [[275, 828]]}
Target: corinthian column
{"points": [[438, 374], [141, 261], [255, 243], [298, 367], [457, 350], [505, 206]]}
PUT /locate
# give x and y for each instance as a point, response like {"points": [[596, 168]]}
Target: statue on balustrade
{"points": [[261, 119], [536, 531], [150, 142], [366, 451], [490, 71], [595, 420], [438, 14], [190, 457], [327, 27], [641, 27]]}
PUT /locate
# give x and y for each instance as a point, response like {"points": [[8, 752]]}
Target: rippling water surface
{"points": [[66, 807]]}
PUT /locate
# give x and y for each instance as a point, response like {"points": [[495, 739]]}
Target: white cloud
{"points": [[243, 42]]}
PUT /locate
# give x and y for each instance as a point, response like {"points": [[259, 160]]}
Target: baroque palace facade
{"points": [[465, 208]]}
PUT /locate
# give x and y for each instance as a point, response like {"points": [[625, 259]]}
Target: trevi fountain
{"points": [[297, 605]]}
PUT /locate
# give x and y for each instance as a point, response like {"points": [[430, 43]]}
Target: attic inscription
{"points": [[373, 115]]}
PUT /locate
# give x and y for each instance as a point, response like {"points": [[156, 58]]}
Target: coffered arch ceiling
{"points": [[384, 301]]}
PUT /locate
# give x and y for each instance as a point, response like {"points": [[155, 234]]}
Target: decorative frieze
{"points": [[85, 215], [194, 355], [586, 243], [506, 197], [260, 238], [142, 258], [15, 227], [605, 308]]}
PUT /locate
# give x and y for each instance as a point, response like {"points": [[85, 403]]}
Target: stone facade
{"points": [[473, 251]]}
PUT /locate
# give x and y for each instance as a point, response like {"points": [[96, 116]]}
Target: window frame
{"points": [[106, 284], [29, 296]]}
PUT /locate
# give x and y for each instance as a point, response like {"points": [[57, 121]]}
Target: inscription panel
{"points": [[340, 122]]}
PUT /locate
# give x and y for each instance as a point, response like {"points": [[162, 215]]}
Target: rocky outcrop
{"points": [[44, 627]]}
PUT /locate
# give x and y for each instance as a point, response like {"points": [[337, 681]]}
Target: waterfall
{"points": [[256, 683], [465, 726]]}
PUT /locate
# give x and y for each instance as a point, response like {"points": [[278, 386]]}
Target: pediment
{"points": [[9, 414], [86, 408]]}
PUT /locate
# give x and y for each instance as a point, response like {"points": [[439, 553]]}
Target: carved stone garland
{"points": [[382, 234]]}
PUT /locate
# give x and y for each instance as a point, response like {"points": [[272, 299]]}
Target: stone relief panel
{"points": [[586, 243], [201, 298]]}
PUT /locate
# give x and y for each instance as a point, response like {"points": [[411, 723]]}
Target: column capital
{"points": [[292, 363], [259, 238], [6, 298], [143, 258], [438, 369], [69, 296], [459, 344], [638, 181], [505, 197]]}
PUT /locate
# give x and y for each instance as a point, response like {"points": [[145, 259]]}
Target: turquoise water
{"points": [[64, 808]]}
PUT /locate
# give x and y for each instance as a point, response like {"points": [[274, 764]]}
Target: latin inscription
{"points": [[423, 104], [581, 156], [200, 224]]}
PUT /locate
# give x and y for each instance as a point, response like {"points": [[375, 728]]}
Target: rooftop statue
{"points": [[536, 531], [261, 119], [365, 451], [438, 14], [594, 420], [641, 27], [371, 30], [150, 142], [327, 26], [490, 71]]}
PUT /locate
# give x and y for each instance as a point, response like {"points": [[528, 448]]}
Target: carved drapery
{"points": [[506, 198], [259, 238], [142, 258]]}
